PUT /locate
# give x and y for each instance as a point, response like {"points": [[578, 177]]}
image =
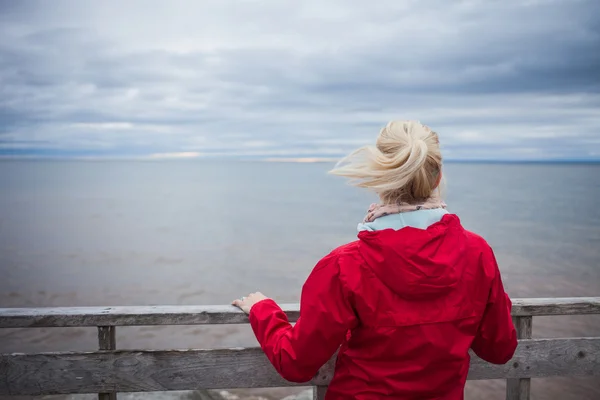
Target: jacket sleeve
{"points": [[297, 352], [496, 339]]}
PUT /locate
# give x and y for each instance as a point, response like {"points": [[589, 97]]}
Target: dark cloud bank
{"points": [[497, 80]]}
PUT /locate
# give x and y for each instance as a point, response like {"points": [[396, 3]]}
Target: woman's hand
{"points": [[246, 303]]}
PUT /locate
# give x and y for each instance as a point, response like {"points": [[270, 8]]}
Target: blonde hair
{"points": [[403, 167]]}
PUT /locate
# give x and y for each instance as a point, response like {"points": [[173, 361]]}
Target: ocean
{"points": [[108, 233]]}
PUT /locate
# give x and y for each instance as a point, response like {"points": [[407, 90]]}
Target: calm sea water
{"points": [[141, 233]]}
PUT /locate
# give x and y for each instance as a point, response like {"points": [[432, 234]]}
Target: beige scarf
{"points": [[380, 210]]}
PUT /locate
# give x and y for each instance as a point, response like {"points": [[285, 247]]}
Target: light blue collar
{"points": [[421, 219]]}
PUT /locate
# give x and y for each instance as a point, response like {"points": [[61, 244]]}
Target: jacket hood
{"points": [[417, 263]]}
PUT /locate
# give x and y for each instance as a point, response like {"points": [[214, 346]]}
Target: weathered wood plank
{"points": [[519, 389], [556, 306], [107, 341], [195, 315], [107, 338], [127, 316], [319, 392], [141, 371], [538, 358]]}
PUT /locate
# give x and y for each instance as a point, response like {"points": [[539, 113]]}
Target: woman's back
{"points": [[420, 296]]}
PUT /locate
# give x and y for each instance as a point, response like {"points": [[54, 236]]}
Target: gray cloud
{"points": [[513, 79]]}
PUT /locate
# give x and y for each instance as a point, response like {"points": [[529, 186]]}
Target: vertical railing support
{"points": [[107, 341], [519, 389], [319, 392]]}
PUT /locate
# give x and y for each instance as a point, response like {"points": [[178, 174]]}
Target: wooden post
{"points": [[319, 392], [519, 389], [107, 341]]}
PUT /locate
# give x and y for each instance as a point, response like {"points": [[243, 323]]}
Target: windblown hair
{"points": [[403, 166]]}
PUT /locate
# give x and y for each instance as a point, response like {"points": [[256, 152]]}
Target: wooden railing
{"points": [[109, 371]]}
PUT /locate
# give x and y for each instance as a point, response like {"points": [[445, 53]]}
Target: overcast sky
{"points": [[496, 79]]}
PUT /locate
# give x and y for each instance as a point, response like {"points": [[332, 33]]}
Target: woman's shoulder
{"points": [[340, 251], [346, 251], [342, 264], [341, 257], [476, 241]]}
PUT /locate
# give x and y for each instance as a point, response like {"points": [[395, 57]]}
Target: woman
{"points": [[407, 300]]}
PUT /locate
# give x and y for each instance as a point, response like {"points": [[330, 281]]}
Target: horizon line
{"points": [[291, 159]]}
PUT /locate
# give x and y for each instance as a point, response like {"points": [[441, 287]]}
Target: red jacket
{"points": [[405, 306]]}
